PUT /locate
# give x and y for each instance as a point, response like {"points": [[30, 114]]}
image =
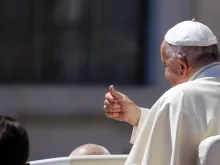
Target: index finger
{"points": [[110, 98]]}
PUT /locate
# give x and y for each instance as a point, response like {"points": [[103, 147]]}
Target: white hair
{"points": [[192, 53]]}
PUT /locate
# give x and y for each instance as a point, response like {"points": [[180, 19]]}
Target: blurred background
{"points": [[58, 58]]}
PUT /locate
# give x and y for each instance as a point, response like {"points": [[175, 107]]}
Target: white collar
{"points": [[198, 72]]}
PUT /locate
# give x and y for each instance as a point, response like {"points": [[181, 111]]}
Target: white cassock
{"points": [[170, 132]]}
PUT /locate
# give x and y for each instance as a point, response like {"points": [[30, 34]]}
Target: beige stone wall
{"points": [[208, 12]]}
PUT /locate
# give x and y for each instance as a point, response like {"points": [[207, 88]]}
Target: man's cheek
{"points": [[175, 71], [172, 77], [168, 75]]}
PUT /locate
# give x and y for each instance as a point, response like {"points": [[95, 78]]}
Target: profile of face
{"points": [[176, 68]]}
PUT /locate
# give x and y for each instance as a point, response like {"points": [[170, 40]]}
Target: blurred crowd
{"points": [[14, 144]]}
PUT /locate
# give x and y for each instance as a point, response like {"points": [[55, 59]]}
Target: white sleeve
{"points": [[136, 130]]}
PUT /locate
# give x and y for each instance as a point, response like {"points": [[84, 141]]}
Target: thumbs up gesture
{"points": [[119, 107]]}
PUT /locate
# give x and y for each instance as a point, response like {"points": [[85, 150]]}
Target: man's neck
{"points": [[205, 71], [194, 69]]}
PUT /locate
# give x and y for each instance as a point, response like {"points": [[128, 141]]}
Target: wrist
{"points": [[136, 117]]}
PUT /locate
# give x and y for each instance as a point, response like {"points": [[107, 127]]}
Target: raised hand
{"points": [[119, 107]]}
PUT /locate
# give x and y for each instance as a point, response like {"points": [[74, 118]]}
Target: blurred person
{"points": [[90, 149], [170, 132], [14, 143]]}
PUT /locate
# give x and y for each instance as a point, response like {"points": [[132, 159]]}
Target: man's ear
{"points": [[183, 66]]}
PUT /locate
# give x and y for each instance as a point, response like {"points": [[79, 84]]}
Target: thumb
{"points": [[115, 93]]}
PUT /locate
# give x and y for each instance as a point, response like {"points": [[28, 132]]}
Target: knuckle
{"points": [[107, 102], [108, 115], [107, 95], [105, 108]]}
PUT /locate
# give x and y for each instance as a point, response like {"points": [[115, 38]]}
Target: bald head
{"points": [[90, 149]]}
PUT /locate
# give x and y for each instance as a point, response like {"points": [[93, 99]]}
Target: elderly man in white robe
{"points": [[170, 132]]}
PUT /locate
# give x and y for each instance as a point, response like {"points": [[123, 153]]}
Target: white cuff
{"points": [[136, 130]]}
